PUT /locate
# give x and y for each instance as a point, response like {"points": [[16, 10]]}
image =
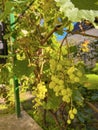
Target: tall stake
{"points": [[16, 84]]}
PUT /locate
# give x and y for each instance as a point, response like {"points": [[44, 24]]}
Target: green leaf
{"points": [[76, 96], [80, 117], [72, 10], [94, 97], [95, 69], [84, 114], [73, 49], [6, 36], [53, 101], [86, 4], [21, 68], [8, 7], [92, 81]]}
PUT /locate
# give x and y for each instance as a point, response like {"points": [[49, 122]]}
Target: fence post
{"points": [[17, 98], [16, 84]]}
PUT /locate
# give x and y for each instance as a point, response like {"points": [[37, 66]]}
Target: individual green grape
{"points": [[69, 121], [74, 111], [52, 84], [63, 92], [76, 79], [71, 116], [61, 82], [79, 74], [61, 87], [56, 88], [66, 99], [56, 94], [70, 112], [52, 62], [71, 70], [54, 78], [52, 68], [59, 67], [71, 76], [69, 92]]}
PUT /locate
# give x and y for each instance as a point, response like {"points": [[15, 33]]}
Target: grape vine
{"points": [[45, 66]]}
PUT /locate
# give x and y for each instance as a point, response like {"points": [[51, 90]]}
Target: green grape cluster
{"points": [[53, 64], [66, 95], [58, 87], [56, 66], [40, 94], [72, 114], [58, 73], [74, 74], [59, 67], [56, 84]]}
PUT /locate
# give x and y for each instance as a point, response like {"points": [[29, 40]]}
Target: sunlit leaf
{"points": [[92, 81]]}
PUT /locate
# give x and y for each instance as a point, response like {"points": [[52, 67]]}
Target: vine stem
{"points": [[55, 118], [84, 34], [51, 32], [92, 106], [68, 48], [3, 6]]}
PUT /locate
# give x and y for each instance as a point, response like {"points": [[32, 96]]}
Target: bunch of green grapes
{"points": [[66, 95], [74, 74], [56, 65], [72, 113], [58, 81], [40, 94], [56, 84], [53, 64], [60, 89]]}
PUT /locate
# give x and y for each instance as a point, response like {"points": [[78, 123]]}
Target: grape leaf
{"points": [[76, 96], [21, 68], [72, 10], [92, 81], [86, 4]]}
